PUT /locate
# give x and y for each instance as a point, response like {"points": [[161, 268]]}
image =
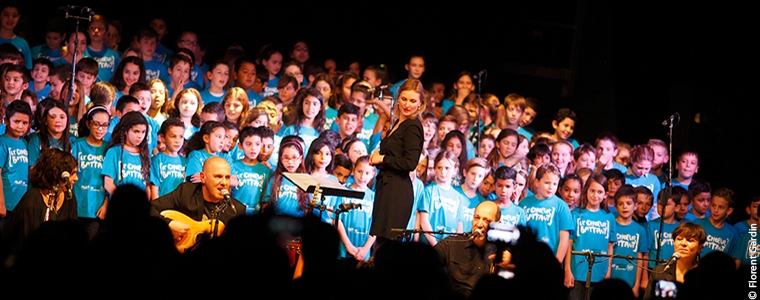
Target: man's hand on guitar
{"points": [[179, 229]]}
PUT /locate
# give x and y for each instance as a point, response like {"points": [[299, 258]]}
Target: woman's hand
{"points": [[376, 158]]}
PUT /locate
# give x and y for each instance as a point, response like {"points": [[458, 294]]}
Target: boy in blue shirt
{"points": [[167, 168], [249, 176], [107, 58], [548, 215], [14, 156], [686, 166], [751, 208], [721, 236], [16, 80], [564, 126], [700, 194], [348, 115], [415, 68], [41, 77], [147, 39], [245, 77], [8, 35], [504, 183], [667, 209], [54, 35], [631, 240], [607, 149]]}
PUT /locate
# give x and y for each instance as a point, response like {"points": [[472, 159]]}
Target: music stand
{"points": [[329, 187]]}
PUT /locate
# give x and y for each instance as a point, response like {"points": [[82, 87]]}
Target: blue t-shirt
{"points": [[357, 222], [155, 70], [42, 93], [547, 218], [22, 46], [330, 115], [631, 240], [594, 231], [167, 172], [667, 242], [195, 161], [444, 207], [14, 157], [747, 250], [251, 184], [513, 215], [253, 98], [124, 167], [365, 132], [722, 239], [207, 97], [43, 50], [271, 88], [287, 200], [308, 134], [162, 53], [88, 189], [108, 60], [469, 211], [35, 148]]}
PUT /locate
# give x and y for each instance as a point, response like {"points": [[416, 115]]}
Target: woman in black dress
{"points": [[399, 154], [46, 199]]}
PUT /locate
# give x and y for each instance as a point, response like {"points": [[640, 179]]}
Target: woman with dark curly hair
{"points": [[47, 199]]}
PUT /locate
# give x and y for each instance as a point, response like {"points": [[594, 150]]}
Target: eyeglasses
{"points": [[99, 125], [287, 159], [189, 42], [299, 48]]}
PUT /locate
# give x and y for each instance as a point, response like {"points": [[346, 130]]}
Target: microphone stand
{"points": [[669, 182], [591, 259], [406, 233], [480, 107], [72, 86]]}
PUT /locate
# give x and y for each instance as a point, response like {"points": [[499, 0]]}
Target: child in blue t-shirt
{"points": [[245, 78], [205, 143], [548, 215], [107, 58], [504, 183], [667, 208], [53, 133], [308, 117], [7, 34], [147, 42], [14, 156], [721, 236], [127, 160], [474, 170], [40, 78], [167, 168], [218, 79], [89, 151], [282, 196], [642, 157], [354, 225], [594, 233], [440, 208], [271, 60], [631, 241], [249, 176]]}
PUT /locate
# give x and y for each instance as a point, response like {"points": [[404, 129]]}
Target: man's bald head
{"points": [[215, 162], [215, 178], [489, 209]]}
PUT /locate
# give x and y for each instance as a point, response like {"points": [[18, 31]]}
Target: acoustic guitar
{"points": [[197, 228]]}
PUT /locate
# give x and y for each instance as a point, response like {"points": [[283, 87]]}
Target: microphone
{"points": [[672, 261], [89, 10], [67, 181], [670, 119], [225, 195], [475, 234], [479, 74]]}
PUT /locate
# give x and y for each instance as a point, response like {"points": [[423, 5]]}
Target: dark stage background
{"points": [[622, 66]]}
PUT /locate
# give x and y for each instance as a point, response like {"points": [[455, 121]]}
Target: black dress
{"points": [[30, 213], [394, 194]]}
